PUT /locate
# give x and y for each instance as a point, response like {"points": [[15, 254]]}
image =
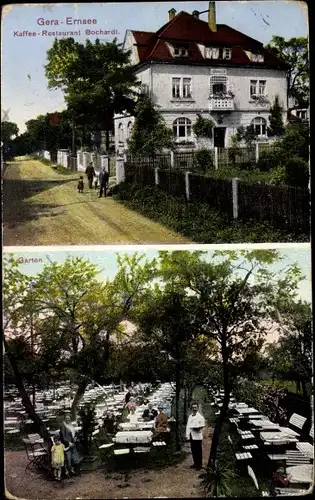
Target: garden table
{"points": [[133, 437], [306, 448], [265, 425], [287, 430], [246, 411], [277, 437], [301, 474]]}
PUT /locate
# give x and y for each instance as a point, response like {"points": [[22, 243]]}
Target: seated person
{"points": [[132, 417], [149, 413], [161, 423], [131, 404], [110, 423]]}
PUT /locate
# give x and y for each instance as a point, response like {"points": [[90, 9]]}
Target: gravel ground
{"points": [[176, 481]]}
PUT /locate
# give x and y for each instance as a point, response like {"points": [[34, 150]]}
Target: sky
{"points": [[24, 85], [31, 262]]}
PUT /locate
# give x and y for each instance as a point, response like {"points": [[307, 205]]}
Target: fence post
{"points": [[257, 152], [120, 170], [216, 165], [156, 175], [235, 185], [187, 185], [172, 159]]}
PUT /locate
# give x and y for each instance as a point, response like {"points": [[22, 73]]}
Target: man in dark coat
{"points": [[103, 178], [90, 173]]}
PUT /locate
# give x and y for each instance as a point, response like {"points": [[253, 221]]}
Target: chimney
{"points": [[171, 14], [211, 17], [196, 14]]}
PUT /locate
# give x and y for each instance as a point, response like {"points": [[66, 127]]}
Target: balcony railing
{"points": [[218, 103]]}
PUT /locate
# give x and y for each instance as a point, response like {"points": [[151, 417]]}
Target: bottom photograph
{"points": [[157, 373]]}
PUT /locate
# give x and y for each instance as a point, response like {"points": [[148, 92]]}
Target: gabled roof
{"points": [[186, 29]]}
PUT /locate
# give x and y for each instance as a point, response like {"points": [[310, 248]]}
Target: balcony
{"points": [[221, 103]]}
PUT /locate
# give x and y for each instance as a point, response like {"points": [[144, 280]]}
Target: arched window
{"points": [[129, 129], [120, 132], [182, 128], [259, 125]]}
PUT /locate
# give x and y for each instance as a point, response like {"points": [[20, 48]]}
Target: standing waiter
{"points": [[194, 429]]}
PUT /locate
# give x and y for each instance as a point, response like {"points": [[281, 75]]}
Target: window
{"points": [[212, 53], [227, 54], [176, 87], [120, 132], [144, 88], [182, 128], [129, 128], [262, 87], [259, 125], [180, 52], [218, 84], [181, 88], [253, 87], [301, 114], [257, 58], [186, 87], [258, 87]]}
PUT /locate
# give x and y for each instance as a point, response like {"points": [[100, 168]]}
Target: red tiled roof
{"points": [[187, 29]]}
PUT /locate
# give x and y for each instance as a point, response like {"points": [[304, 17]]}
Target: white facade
{"points": [[183, 91]]}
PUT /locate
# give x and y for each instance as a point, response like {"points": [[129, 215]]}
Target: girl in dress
{"points": [[57, 458]]}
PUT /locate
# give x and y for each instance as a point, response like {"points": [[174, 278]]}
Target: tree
{"points": [[295, 53], [9, 130], [276, 119], [97, 80], [291, 356], [247, 134], [150, 133], [203, 127], [232, 297]]}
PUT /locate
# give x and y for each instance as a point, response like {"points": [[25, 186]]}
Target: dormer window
{"points": [[255, 57], [180, 52], [218, 53]]}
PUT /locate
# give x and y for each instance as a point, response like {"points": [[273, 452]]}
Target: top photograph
{"points": [[155, 123]]}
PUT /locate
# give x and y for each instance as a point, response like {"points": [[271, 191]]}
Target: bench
{"points": [[306, 449], [239, 456], [250, 447], [245, 434], [290, 458]]}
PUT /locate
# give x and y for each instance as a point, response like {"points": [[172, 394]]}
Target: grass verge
{"points": [[198, 221]]}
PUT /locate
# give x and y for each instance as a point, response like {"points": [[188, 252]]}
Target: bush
{"points": [[269, 160], [297, 172], [198, 221], [204, 160]]}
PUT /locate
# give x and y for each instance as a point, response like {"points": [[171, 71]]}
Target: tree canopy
{"points": [[96, 78], [295, 53]]}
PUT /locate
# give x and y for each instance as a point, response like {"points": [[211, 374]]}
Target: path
{"points": [[42, 207], [176, 481]]}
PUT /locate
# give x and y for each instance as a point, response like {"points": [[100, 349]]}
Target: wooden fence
{"points": [[285, 207]]}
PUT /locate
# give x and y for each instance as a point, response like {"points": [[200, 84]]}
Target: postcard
{"points": [[155, 123]]}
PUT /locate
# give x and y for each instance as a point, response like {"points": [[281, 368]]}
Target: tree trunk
{"points": [[43, 432], [177, 396], [304, 389], [223, 412], [77, 398], [185, 404]]}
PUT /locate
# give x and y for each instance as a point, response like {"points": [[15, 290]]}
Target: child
{"points": [[57, 457], [80, 184]]}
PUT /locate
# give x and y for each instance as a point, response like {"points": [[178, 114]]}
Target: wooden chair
{"points": [[103, 448], [37, 457], [238, 455], [297, 421]]}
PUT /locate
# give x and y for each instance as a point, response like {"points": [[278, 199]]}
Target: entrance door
{"points": [[219, 137]]}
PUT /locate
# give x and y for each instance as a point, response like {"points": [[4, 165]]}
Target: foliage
{"points": [[248, 134], [97, 79], [203, 128], [295, 53], [297, 172], [276, 119], [9, 130], [270, 159], [216, 478], [204, 159], [198, 221], [150, 133], [296, 141], [291, 356]]}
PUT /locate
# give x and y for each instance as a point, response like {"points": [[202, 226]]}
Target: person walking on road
{"points": [[194, 428], [103, 178], [90, 173]]}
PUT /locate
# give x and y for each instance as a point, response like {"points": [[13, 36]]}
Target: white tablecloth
{"points": [[133, 437], [301, 474], [277, 437]]}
